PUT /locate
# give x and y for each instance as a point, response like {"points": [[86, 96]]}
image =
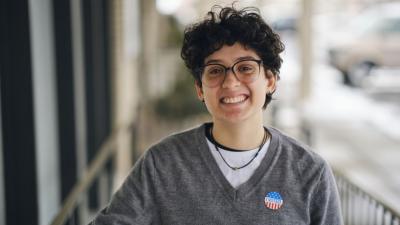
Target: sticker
{"points": [[273, 200]]}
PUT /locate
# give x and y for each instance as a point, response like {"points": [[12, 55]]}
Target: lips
{"points": [[234, 99]]}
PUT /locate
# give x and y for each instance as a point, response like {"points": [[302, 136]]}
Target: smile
{"points": [[233, 100]]}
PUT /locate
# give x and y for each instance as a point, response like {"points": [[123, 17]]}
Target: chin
{"points": [[234, 117]]}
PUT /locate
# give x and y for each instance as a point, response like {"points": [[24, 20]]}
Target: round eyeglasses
{"points": [[246, 71]]}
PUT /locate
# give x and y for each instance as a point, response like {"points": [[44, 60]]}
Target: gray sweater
{"points": [[177, 182]]}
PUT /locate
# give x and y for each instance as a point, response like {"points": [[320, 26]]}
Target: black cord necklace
{"points": [[248, 163]]}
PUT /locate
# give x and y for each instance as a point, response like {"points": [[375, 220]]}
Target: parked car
{"points": [[285, 24], [371, 40]]}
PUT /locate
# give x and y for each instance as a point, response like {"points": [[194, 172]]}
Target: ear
{"points": [[271, 78], [199, 91]]}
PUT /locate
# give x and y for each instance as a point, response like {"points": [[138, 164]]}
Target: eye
{"points": [[246, 68], [214, 70]]}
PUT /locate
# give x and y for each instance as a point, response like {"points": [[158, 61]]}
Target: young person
{"points": [[232, 170]]}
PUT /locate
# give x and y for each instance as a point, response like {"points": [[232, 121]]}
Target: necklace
{"points": [[248, 163]]}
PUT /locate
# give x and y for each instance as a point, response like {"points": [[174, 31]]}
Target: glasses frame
{"points": [[258, 61]]}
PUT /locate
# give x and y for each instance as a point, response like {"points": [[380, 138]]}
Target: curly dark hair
{"points": [[227, 27]]}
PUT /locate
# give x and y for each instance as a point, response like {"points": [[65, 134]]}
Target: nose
{"points": [[230, 80]]}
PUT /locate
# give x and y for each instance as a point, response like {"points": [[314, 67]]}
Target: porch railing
{"points": [[361, 208], [69, 213]]}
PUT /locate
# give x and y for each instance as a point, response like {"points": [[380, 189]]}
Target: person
{"points": [[232, 170]]}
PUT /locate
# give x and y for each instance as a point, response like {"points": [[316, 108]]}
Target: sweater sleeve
{"points": [[325, 202], [134, 202]]}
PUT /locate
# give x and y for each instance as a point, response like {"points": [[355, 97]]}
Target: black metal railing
{"points": [[361, 208]]}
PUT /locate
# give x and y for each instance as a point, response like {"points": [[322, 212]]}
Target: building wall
{"points": [[45, 108], [57, 104]]}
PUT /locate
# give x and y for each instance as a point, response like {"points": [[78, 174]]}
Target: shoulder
{"points": [[185, 138], [302, 156], [179, 142]]}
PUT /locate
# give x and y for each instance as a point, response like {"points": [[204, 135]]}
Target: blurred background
{"points": [[87, 86]]}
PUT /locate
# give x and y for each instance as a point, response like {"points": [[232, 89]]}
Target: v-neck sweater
{"points": [[178, 182]]}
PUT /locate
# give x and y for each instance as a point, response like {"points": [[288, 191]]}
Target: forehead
{"points": [[229, 54]]}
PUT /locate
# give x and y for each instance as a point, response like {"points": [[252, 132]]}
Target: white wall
{"points": [[45, 108]]}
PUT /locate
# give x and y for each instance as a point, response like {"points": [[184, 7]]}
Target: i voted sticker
{"points": [[273, 200]]}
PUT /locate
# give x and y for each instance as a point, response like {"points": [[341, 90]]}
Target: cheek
{"points": [[260, 88], [209, 94], [259, 93], [209, 99], [212, 100]]}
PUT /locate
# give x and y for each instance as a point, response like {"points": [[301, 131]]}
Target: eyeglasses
{"points": [[245, 71]]}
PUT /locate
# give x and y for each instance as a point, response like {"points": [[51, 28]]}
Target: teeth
{"points": [[234, 99]]}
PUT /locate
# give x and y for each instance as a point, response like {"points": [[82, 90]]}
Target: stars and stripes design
{"points": [[273, 200]]}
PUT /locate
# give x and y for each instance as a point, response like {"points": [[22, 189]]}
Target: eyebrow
{"points": [[236, 60]]}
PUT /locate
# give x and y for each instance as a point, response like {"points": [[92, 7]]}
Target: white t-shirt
{"points": [[237, 159]]}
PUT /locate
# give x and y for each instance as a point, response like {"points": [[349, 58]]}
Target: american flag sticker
{"points": [[273, 200]]}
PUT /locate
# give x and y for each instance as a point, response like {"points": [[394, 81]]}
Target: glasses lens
{"points": [[247, 70], [213, 75]]}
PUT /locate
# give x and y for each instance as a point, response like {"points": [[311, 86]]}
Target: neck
{"points": [[235, 136]]}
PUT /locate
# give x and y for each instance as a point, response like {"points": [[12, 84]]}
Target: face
{"points": [[234, 101]]}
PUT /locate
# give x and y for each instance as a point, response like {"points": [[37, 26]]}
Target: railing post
{"points": [[360, 208]]}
